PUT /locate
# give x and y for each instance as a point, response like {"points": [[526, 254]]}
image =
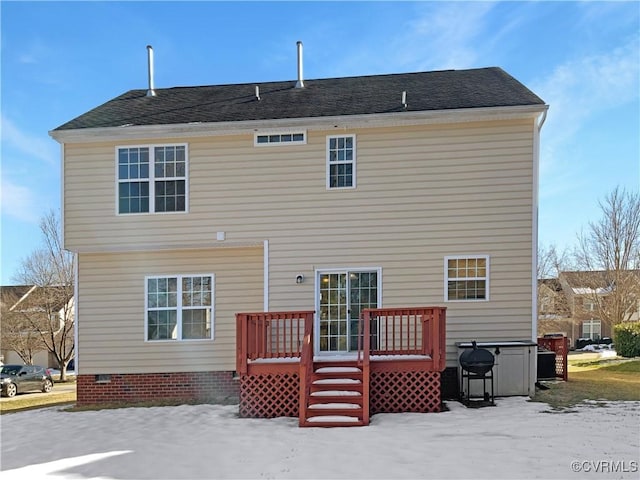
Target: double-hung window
{"points": [[592, 329], [179, 307], [152, 179], [341, 161], [466, 278]]}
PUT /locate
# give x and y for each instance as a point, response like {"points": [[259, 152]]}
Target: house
{"points": [[23, 304], [554, 314], [579, 303], [231, 237]]}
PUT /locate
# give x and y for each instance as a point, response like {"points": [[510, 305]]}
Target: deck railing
{"points": [[391, 331], [404, 331], [271, 335]]}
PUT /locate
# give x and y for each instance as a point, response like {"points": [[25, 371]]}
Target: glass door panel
{"points": [[342, 296], [363, 293], [333, 312]]}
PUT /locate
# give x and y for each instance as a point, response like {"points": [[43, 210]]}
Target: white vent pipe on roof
{"points": [[300, 82], [151, 92]]}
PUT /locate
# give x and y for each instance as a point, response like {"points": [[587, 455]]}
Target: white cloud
{"points": [[32, 145], [448, 31], [581, 88], [18, 202], [578, 92]]}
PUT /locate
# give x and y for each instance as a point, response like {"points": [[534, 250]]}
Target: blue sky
{"points": [[60, 59]]}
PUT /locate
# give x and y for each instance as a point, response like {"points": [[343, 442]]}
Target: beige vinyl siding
{"points": [[423, 193], [111, 326]]}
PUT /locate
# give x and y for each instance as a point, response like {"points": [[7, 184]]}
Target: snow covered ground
{"points": [[516, 439]]}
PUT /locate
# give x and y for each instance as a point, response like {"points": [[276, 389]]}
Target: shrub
{"points": [[627, 339]]}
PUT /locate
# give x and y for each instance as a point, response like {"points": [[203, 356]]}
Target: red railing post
{"points": [[442, 315], [306, 367], [427, 333], [241, 344], [366, 358]]}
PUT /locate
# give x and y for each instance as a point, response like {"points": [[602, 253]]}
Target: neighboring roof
{"points": [[11, 294], [588, 282], [551, 283], [377, 94]]}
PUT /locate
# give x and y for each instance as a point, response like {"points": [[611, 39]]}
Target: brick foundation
{"points": [[215, 387]]}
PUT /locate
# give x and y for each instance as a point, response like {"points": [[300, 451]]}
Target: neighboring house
{"points": [[554, 314], [24, 299], [570, 305], [186, 206]]}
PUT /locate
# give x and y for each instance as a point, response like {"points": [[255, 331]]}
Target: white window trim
{"points": [[279, 132], [353, 162], [486, 278], [179, 308], [152, 187]]}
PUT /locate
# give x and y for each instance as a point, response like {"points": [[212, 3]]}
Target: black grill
{"points": [[477, 364], [477, 360]]}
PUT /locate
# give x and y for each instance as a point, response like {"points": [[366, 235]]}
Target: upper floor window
{"points": [[179, 307], [588, 304], [467, 278], [341, 161], [152, 179], [284, 138]]}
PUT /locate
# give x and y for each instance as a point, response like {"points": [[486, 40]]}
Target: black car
{"points": [[24, 378]]}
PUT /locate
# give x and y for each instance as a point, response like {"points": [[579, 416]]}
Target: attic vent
{"points": [[283, 138]]}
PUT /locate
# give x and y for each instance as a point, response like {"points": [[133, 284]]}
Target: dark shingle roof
{"points": [[441, 90]]}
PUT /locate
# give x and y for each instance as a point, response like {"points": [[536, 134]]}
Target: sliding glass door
{"points": [[341, 296]]}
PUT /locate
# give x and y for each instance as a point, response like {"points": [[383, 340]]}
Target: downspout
{"points": [[534, 242], [76, 274], [265, 259]]}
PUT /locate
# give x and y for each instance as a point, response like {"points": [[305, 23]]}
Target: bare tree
{"points": [[49, 309], [551, 262], [17, 333], [609, 255]]}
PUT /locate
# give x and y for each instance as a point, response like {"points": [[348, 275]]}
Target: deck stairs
{"points": [[337, 397]]}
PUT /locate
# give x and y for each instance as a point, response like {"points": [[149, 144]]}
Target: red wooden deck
{"points": [[396, 370]]}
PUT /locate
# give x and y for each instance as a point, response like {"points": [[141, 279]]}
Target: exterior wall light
{"points": [[300, 279]]}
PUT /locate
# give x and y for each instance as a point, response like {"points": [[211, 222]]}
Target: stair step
{"points": [[338, 370], [336, 393], [339, 419], [336, 381], [320, 406]]}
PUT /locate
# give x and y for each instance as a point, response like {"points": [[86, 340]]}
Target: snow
{"points": [[333, 405], [375, 358], [604, 349], [516, 439], [338, 370], [275, 360], [333, 381], [336, 393], [334, 418]]}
